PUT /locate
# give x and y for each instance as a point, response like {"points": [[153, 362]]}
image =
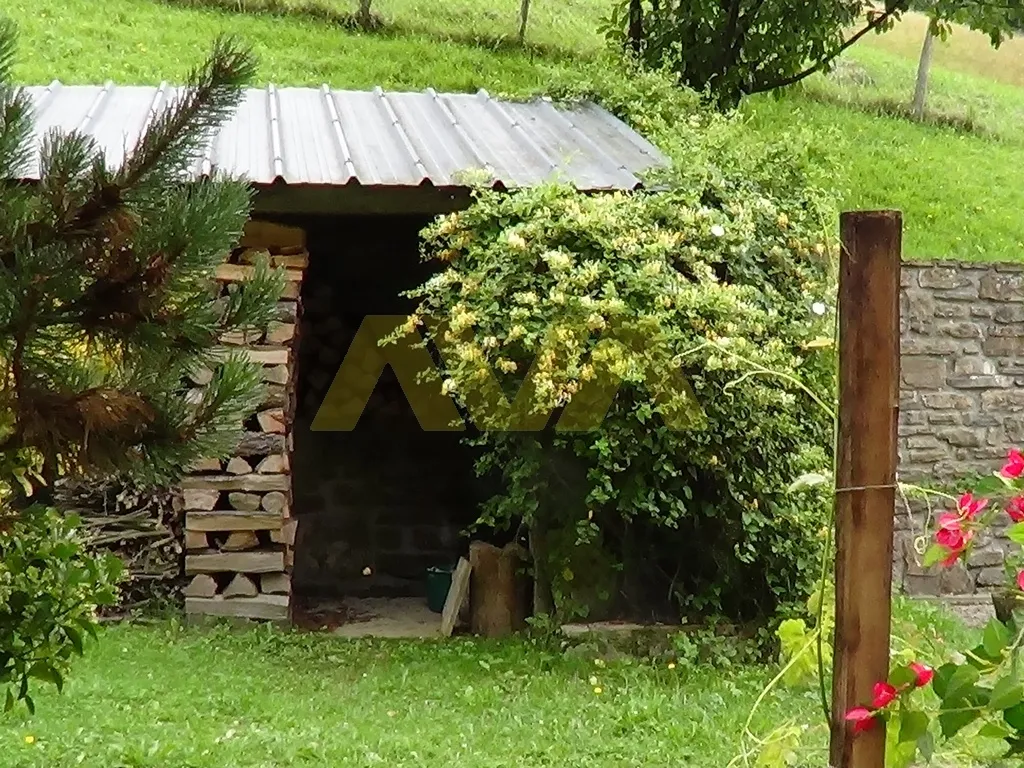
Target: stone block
{"points": [[947, 400], [943, 278], [923, 372], [979, 382], [999, 286], [973, 365], [955, 581], [1004, 346], [959, 329], [945, 418], [1013, 313], [986, 558], [926, 345], [965, 438], [991, 577], [1003, 400]]}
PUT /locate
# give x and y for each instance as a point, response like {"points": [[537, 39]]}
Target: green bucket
{"points": [[439, 582]]}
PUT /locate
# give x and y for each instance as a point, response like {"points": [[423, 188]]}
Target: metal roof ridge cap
{"points": [[339, 132], [463, 134], [275, 131], [497, 107], [397, 125], [96, 104]]}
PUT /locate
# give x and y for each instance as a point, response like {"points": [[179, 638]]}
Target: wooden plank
{"points": [[271, 607], [235, 562], [286, 533], [261, 355], [205, 465], [252, 483], [239, 273], [238, 466], [201, 586], [199, 498], [267, 234], [227, 520], [240, 586], [196, 540], [276, 584], [240, 541], [291, 261], [457, 597], [244, 502], [260, 444], [280, 333], [275, 502], [869, 373], [273, 465], [272, 421]]}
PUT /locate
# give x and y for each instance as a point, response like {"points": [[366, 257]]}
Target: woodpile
{"points": [[239, 529]]}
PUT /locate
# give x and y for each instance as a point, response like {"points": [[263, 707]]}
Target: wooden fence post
{"points": [[869, 365]]}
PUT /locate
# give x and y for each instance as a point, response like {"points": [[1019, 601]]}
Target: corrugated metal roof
{"points": [[374, 138]]}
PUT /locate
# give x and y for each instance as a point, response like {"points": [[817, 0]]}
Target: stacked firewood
{"points": [[239, 531], [136, 523]]}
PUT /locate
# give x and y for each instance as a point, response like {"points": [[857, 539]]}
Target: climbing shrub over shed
{"points": [[726, 277]]}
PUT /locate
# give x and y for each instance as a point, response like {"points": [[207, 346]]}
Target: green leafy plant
{"points": [[552, 302], [49, 590]]}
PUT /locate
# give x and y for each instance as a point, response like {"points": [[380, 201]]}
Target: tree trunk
{"points": [[925, 63], [635, 35], [497, 600], [364, 17], [524, 15]]}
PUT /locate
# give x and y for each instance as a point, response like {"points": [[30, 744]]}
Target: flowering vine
{"points": [[983, 686]]}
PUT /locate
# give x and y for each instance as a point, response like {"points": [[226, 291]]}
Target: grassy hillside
{"points": [[956, 178]]}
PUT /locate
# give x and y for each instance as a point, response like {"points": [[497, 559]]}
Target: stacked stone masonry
{"points": [[239, 529], [961, 403]]}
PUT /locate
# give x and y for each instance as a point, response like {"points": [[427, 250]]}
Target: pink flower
{"points": [[1014, 466], [1015, 509], [923, 674], [863, 719], [884, 694], [953, 539], [1020, 581], [969, 507], [950, 521]]}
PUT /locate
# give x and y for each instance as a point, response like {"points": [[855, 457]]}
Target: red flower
{"points": [[953, 539], [863, 719], [1014, 466], [885, 694], [1015, 509], [923, 674], [950, 521], [1020, 581], [969, 507]]}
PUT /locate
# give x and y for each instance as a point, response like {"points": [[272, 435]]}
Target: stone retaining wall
{"points": [[962, 400]]}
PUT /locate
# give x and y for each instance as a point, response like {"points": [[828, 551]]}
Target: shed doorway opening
{"points": [[379, 505]]}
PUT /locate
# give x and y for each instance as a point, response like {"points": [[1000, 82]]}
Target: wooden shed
{"points": [[345, 182]]}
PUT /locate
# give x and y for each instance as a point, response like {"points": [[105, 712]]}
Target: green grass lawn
{"points": [[960, 191], [165, 696]]}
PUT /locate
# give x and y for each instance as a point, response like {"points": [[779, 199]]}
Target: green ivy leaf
{"points": [[994, 730], [41, 670], [9, 703], [75, 638], [902, 676], [964, 677], [996, 638], [1006, 694], [926, 746], [955, 720], [1016, 533], [808, 480], [913, 725], [1014, 717], [934, 554], [940, 683]]}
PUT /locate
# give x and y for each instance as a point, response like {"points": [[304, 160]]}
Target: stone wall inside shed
{"points": [[961, 404], [382, 503]]}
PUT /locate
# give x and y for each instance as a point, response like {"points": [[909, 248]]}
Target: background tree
{"points": [[740, 47], [106, 276], [997, 20]]}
